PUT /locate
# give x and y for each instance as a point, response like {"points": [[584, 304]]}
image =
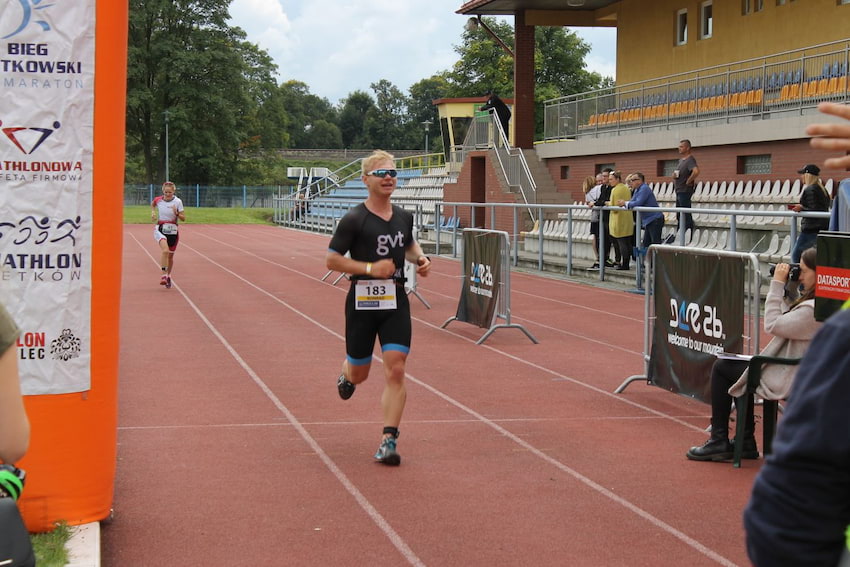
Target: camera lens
{"points": [[794, 273]]}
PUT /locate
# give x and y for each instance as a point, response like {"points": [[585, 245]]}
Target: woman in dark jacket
{"points": [[814, 198]]}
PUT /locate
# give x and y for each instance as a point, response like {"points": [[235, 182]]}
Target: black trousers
{"points": [[724, 373], [624, 245], [609, 240]]}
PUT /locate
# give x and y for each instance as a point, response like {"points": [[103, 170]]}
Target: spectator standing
{"points": [[501, 109], [642, 196], [621, 224], [591, 187], [14, 424], [604, 197], [792, 327], [815, 197], [299, 208], [685, 176]]}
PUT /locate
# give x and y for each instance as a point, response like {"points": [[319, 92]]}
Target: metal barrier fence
{"points": [[321, 215], [479, 272], [509, 217], [537, 247], [485, 133], [241, 197], [751, 301]]}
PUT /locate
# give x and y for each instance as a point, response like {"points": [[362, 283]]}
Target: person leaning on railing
{"points": [[14, 425], [642, 196], [592, 187], [792, 327], [621, 225]]}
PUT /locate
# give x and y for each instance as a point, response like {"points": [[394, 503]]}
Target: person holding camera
{"points": [[792, 326]]}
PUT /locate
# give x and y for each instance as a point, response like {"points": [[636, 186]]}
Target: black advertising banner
{"points": [[699, 309], [833, 273], [479, 291]]}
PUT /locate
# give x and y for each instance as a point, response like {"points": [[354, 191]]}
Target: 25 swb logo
{"points": [[481, 274], [699, 318]]}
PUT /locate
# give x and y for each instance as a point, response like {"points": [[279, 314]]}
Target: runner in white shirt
{"points": [[166, 211]]}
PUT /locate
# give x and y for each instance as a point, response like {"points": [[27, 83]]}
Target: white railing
{"points": [[486, 133]]}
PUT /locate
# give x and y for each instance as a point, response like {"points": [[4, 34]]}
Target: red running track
{"points": [[234, 448]]}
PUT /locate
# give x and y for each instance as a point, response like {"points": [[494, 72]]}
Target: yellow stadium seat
{"points": [[832, 86], [794, 92]]}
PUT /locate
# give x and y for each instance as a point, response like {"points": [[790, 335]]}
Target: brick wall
{"points": [[461, 192], [523, 83]]}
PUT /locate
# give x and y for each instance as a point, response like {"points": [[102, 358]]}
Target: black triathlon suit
{"points": [[367, 237]]}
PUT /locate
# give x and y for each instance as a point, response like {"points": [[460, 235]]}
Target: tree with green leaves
{"points": [[352, 119], [384, 122], [306, 112], [559, 67], [186, 65], [421, 108]]}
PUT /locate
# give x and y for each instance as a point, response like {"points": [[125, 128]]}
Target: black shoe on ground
{"points": [[345, 388], [711, 450], [387, 453], [750, 449], [622, 268], [609, 264]]}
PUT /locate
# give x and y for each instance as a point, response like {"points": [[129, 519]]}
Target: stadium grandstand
{"points": [[740, 80]]}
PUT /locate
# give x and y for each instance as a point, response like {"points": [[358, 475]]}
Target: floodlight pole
{"points": [[476, 21], [167, 178], [427, 124]]}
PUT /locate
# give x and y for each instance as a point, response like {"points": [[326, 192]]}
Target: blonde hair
{"points": [[618, 174], [369, 161], [588, 183], [811, 179]]}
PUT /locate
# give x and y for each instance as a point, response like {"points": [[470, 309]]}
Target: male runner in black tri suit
{"points": [[378, 237]]}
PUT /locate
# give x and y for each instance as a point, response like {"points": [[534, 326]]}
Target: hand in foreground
{"points": [[833, 136], [383, 269], [423, 266], [780, 272]]}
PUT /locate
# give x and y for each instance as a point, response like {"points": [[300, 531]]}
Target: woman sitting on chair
{"points": [[792, 327]]}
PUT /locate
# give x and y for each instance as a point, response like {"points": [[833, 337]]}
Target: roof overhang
{"points": [[592, 13]]}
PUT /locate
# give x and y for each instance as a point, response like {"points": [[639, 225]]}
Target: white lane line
{"points": [[434, 292], [553, 373], [655, 521], [361, 499], [370, 423]]}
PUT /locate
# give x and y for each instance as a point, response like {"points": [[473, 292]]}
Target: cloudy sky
{"points": [[338, 47]]}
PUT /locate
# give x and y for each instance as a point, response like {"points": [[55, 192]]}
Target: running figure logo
{"points": [[27, 8]]}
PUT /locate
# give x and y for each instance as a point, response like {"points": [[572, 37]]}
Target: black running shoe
{"points": [[345, 388], [387, 454]]}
